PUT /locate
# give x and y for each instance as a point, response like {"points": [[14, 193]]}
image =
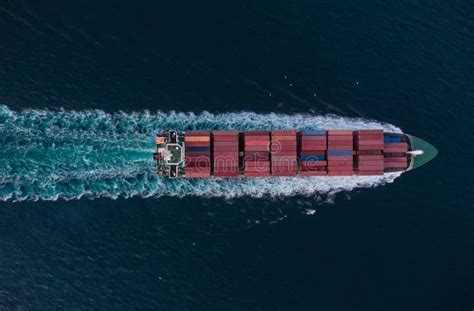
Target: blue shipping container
{"points": [[312, 158], [392, 140], [339, 152], [196, 148]]}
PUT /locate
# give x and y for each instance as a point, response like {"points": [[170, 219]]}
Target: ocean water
{"points": [[86, 224]]}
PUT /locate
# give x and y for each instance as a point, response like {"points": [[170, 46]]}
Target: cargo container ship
{"points": [[218, 153]]}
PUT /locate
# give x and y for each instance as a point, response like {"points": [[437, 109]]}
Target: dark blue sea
{"points": [[85, 224]]}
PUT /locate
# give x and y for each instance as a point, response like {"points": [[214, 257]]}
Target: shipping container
{"points": [[205, 139], [225, 133], [369, 152], [197, 133], [370, 173], [340, 157], [257, 174], [313, 133], [257, 138], [369, 132], [313, 138], [339, 132], [257, 133], [284, 132], [340, 137], [283, 138], [340, 173], [314, 153], [226, 174], [340, 152], [312, 158], [313, 173]]}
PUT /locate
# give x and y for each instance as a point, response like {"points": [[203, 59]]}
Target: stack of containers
{"points": [[197, 153], [283, 153], [340, 153], [226, 153], [257, 155], [369, 146], [394, 150], [313, 153]]}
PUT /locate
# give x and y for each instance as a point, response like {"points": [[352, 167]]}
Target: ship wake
{"points": [[61, 154]]}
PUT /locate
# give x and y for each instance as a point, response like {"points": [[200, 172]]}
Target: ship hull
{"points": [[284, 153]]}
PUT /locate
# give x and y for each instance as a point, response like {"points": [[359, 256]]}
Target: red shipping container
{"points": [[340, 162], [396, 145], [371, 147], [197, 169], [262, 164], [256, 174], [340, 143], [315, 153], [395, 165], [284, 132], [340, 132], [284, 158], [369, 142], [339, 167], [313, 164], [340, 173], [226, 169], [340, 137], [283, 138], [369, 168], [369, 132], [283, 174], [257, 143], [198, 133], [369, 137], [225, 133], [257, 153], [226, 138], [197, 174], [226, 148], [283, 148], [257, 158], [192, 156], [257, 169], [313, 173], [340, 158], [257, 133], [344, 147], [394, 150], [283, 153], [226, 155], [257, 148], [257, 138], [284, 143], [370, 173], [226, 143], [228, 163], [365, 162], [369, 157], [395, 159], [314, 143], [226, 174]]}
